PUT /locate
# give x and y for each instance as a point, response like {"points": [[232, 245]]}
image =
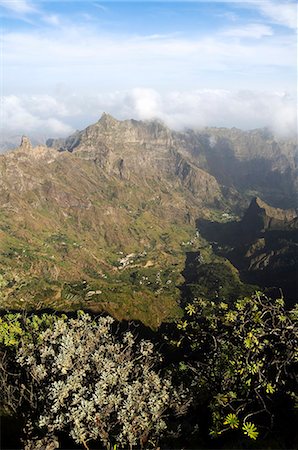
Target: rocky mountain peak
{"points": [[25, 144], [107, 120]]}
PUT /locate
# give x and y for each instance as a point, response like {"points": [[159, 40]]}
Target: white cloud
{"points": [[146, 103], [50, 116], [21, 115], [243, 109], [93, 48], [101, 7], [280, 12], [52, 19], [253, 31], [19, 6], [124, 62]]}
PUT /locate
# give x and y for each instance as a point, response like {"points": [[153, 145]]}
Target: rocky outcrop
{"points": [[261, 217]]}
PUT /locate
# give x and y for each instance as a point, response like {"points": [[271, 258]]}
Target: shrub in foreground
{"points": [[86, 382]]}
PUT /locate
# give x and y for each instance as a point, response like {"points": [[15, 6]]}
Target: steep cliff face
{"points": [[199, 182]]}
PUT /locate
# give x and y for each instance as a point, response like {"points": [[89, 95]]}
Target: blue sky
{"points": [[199, 63]]}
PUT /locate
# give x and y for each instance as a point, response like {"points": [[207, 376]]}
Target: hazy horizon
{"points": [[190, 64]]}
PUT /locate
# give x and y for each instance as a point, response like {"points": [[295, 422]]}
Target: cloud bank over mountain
{"points": [[42, 116]]}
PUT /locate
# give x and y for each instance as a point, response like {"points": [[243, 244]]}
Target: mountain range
{"points": [[110, 217]]}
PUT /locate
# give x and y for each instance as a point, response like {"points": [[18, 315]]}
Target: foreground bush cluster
{"points": [[85, 378]]}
